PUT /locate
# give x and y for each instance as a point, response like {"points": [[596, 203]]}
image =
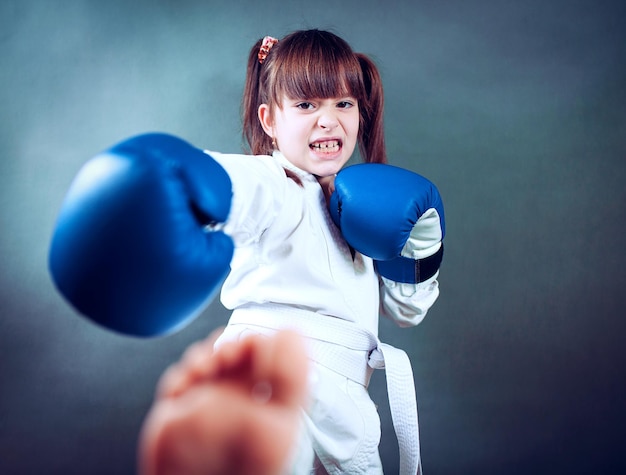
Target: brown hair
{"points": [[314, 64]]}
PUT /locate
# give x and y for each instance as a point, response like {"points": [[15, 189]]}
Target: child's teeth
{"points": [[327, 146]]}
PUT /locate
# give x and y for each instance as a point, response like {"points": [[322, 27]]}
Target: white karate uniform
{"points": [[293, 269]]}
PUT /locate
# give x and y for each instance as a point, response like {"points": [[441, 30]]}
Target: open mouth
{"points": [[326, 146]]}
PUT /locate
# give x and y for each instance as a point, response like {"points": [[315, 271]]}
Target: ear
{"points": [[265, 118]]}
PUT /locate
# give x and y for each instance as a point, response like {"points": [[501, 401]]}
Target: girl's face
{"points": [[315, 135]]}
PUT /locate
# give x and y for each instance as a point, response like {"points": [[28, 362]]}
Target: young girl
{"points": [[309, 100]]}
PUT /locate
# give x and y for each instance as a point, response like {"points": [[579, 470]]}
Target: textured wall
{"points": [[517, 110]]}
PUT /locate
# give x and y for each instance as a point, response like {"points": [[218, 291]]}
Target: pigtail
{"points": [[253, 133], [372, 140], [259, 143]]}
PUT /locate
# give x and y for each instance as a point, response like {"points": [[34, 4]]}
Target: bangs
{"points": [[316, 65]]}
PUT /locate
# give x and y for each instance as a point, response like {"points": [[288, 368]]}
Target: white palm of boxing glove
{"points": [[426, 236]]}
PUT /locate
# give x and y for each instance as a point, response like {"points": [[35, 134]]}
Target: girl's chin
{"points": [[329, 166], [328, 171]]}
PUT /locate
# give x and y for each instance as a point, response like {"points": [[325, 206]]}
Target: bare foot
{"points": [[233, 411]]}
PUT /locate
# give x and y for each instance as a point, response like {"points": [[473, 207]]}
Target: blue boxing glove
{"points": [[137, 246], [392, 215]]}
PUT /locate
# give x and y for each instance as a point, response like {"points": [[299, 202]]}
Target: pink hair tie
{"points": [[266, 46]]}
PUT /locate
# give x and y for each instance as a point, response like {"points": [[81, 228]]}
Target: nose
{"points": [[327, 119]]}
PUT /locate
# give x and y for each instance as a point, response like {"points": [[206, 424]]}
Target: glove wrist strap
{"points": [[410, 271]]}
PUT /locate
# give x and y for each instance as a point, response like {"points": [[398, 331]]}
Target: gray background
{"points": [[517, 110]]}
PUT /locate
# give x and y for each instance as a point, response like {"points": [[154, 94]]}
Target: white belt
{"points": [[370, 354]]}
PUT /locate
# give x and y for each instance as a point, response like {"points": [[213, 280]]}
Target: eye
{"points": [[345, 104], [304, 105]]}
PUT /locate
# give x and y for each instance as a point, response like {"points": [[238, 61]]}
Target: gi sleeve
{"points": [[259, 184], [407, 304]]}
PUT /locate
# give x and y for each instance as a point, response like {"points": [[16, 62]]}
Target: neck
{"points": [[328, 185]]}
